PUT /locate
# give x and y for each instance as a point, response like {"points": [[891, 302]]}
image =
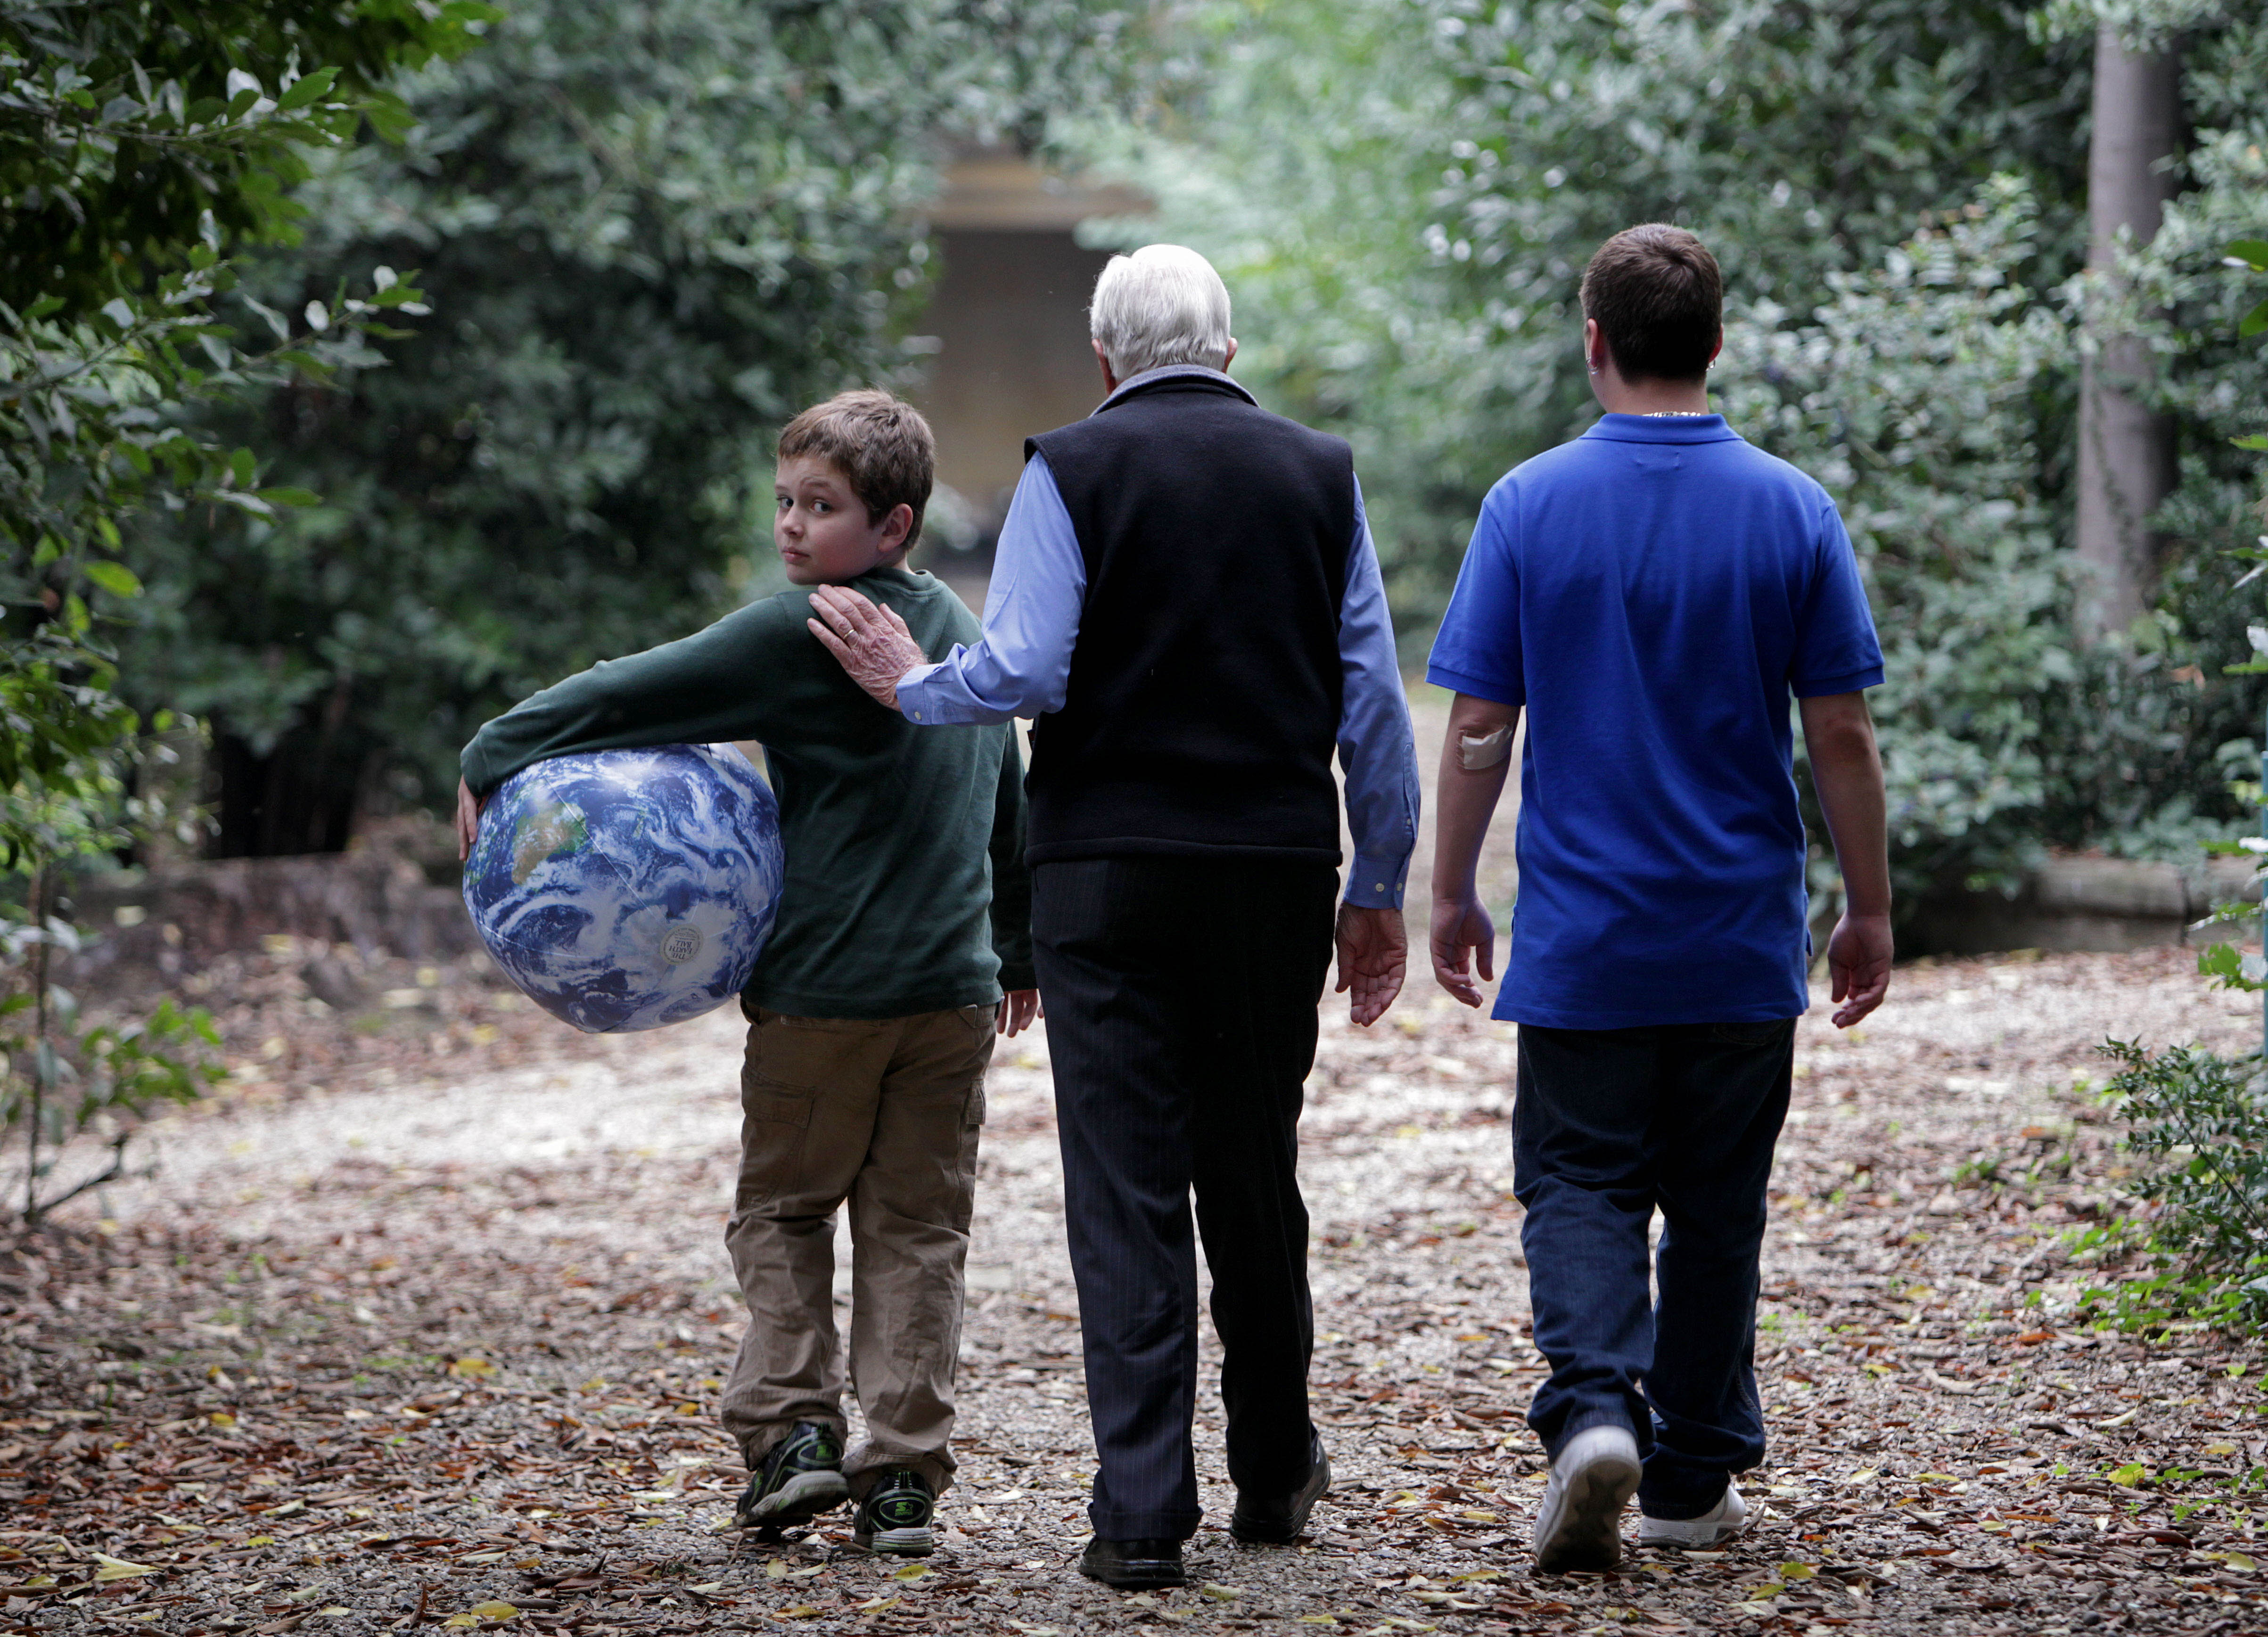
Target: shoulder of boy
{"points": [[777, 625], [786, 610]]}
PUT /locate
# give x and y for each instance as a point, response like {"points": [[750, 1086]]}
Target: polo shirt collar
{"points": [[1658, 428], [1174, 373]]}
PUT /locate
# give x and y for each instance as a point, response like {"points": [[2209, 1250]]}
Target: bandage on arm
{"points": [[1477, 750]]}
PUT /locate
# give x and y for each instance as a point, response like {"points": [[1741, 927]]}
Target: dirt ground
{"points": [[418, 1326]]}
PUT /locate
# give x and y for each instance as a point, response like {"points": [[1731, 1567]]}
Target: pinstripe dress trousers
{"points": [[1182, 999]]}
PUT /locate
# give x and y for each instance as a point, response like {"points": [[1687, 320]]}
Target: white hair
{"points": [[1163, 305]]}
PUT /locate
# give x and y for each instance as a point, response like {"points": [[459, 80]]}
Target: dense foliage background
{"points": [[649, 234], [1403, 197], [366, 364], [139, 144], [373, 362]]}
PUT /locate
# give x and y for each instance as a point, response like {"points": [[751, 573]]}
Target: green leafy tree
{"points": [[1930, 395], [1896, 193], [1922, 393], [651, 233], [138, 142], [135, 130], [2193, 299], [1403, 197], [2199, 1120]]}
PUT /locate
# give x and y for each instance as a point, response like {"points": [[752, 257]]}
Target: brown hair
{"points": [[879, 443], [1656, 295]]}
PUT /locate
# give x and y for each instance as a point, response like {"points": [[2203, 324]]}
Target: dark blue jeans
{"points": [[1611, 1125]]}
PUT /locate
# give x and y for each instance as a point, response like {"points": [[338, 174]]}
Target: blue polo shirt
{"points": [[1651, 594]]}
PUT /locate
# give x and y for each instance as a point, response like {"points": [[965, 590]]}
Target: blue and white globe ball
{"points": [[623, 890]]}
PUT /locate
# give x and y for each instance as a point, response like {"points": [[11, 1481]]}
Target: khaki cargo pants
{"points": [[884, 1113]]}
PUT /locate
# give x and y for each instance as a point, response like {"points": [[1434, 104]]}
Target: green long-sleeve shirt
{"points": [[899, 840]]}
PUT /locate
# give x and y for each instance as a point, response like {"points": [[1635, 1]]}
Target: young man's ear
{"points": [[1595, 347]]}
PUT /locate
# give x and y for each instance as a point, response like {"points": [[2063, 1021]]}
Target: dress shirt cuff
{"points": [[916, 702], [934, 696], [1376, 880]]}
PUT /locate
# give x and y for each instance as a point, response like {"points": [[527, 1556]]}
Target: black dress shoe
{"points": [[1276, 1520], [1133, 1565]]}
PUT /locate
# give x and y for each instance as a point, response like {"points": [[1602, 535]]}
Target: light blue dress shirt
{"points": [[1022, 666]]}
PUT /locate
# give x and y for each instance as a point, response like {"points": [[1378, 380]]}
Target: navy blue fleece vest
{"points": [[1202, 705]]}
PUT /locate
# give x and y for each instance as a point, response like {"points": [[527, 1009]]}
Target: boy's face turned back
{"points": [[821, 527]]}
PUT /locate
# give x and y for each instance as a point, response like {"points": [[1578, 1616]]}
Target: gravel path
{"points": [[437, 1346]]}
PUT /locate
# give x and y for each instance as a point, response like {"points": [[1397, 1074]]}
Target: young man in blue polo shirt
{"points": [[1650, 596]]}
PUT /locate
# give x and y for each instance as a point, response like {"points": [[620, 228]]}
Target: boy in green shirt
{"points": [[872, 1010]]}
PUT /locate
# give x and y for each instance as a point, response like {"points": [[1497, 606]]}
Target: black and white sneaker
{"points": [[801, 1476], [896, 1516]]}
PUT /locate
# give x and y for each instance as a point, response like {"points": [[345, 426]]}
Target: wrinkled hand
{"points": [[1859, 965], [469, 819], [872, 644], [1018, 1010], [1374, 951], [1463, 937]]}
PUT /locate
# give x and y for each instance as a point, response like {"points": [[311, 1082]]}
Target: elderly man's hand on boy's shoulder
{"points": [[872, 644]]}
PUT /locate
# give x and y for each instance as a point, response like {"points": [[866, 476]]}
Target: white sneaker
{"points": [[1728, 1518], [1579, 1526]]}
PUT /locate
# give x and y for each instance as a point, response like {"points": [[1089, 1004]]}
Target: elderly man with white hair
{"points": [[1185, 597]]}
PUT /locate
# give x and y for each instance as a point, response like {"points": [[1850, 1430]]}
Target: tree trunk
{"points": [[2126, 464], [298, 798]]}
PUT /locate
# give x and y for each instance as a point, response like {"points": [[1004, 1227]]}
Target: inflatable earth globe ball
{"points": [[627, 889]]}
